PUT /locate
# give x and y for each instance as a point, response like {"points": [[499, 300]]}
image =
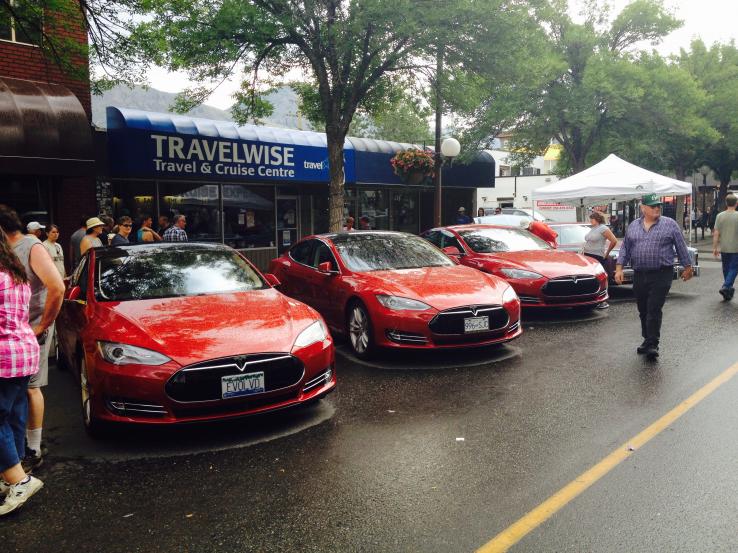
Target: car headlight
{"points": [[316, 332], [397, 303], [125, 354], [519, 273], [509, 295]]}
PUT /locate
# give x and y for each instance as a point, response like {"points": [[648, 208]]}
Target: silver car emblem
{"points": [[241, 362], [474, 310]]}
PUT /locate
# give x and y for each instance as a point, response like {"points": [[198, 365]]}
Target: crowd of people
{"points": [[32, 276]]}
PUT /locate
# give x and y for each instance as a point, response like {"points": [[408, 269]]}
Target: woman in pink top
{"points": [[19, 352]]}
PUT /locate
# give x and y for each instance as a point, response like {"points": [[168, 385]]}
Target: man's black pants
{"points": [[650, 289]]}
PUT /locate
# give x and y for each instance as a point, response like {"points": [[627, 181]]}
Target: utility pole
{"points": [[439, 160]]}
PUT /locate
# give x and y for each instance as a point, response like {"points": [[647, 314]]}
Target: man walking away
{"points": [[649, 246], [725, 245], [176, 233], [47, 293]]}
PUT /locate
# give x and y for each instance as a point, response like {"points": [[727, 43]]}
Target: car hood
{"points": [[439, 287], [197, 328], [549, 263]]}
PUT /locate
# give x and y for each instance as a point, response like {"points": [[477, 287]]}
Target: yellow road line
{"points": [[518, 530]]}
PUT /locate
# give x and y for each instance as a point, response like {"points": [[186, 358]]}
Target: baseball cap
{"points": [[462, 208], [651, 200], [35, 225]]}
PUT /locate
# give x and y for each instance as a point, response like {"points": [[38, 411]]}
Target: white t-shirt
{"points": [[595, 241]]}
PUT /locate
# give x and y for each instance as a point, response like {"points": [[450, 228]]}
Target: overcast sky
{"points": [[710, 20]]}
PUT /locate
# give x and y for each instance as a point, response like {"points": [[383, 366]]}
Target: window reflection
{"points": [[199, 202], [502, 240], [248, 216]]}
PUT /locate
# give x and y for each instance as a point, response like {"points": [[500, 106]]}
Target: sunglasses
{"points": [[127, 226]]}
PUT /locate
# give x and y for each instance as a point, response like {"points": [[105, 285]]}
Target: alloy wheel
{"points": [[359, 330]]}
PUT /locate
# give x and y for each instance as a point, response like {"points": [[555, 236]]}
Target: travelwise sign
{"points": [[136, 153]]}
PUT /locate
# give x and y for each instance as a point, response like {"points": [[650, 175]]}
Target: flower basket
{"points": [[413, 166]]}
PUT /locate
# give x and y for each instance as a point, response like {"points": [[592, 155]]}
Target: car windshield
{"points": [[492, 240], [173, 273], [380, 252], [572, 234]]}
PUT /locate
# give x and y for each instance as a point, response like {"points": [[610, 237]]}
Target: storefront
{"points": [[259, 189], [46, 157]]}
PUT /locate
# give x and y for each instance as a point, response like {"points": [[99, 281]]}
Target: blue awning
{"points": [[143, 144]]}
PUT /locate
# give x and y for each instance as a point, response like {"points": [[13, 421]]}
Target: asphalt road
{"points": [[428, 453]]}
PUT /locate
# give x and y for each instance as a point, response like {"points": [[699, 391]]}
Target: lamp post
{"points": [[704, 171], [450, 148]]}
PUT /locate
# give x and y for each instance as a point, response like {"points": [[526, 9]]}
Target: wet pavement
{"points": [[428, 453]]}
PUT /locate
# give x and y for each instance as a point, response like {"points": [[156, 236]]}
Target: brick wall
{"points": [[73, 198], [24, 61]]}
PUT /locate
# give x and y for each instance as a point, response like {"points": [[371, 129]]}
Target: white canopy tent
{"points": [[611, 180]]}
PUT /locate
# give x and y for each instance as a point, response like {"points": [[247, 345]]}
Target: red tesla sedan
{"points": [[390, 289], [167, 333], [542, 276]]}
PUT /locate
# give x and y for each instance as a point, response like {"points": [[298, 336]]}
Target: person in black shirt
{"points": [[125, 224]]}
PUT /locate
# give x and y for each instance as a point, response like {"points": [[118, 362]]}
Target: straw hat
{"points": [[93, 222]]}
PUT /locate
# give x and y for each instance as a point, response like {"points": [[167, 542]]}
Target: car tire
{"points": [[95, 428], [359, 331]]}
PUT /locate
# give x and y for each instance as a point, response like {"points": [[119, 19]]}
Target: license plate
{"points": [[242, 385], [476, 324]]}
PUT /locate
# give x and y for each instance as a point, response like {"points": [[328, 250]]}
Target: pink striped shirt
{"points": [[19, 349]]}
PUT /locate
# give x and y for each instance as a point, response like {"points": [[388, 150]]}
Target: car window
{"points": [[170, 273], [434, 237], [322, 254], [302, 252], [450, 241], [492, 240], [572, 234], [362, 252]]}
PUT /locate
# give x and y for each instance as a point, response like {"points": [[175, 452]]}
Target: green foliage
{"points": [[593, 85]]}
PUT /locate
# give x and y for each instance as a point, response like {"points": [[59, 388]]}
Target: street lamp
{"points": [[704, 171], [450, 148]]}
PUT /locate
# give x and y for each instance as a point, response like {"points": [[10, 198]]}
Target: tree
{"points": [[596, 83], [716, 69]]}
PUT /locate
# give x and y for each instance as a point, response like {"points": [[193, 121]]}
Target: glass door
{"points": [[287, 222]]}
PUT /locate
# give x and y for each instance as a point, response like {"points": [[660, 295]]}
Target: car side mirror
{"points": [[326, 268], [272, 280], [75, 292], [452, 251]]}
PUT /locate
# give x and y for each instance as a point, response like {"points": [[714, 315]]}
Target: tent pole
{"points": [[533, 202], [689, 230]]}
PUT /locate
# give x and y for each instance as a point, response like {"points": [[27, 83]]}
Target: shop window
{"points": [[28, 196], [248, 216], [198, 202], [21, 21], [405, 211], [136, 199], [374, 205]]}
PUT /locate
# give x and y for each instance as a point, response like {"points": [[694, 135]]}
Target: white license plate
{"points": [[242, 384], [476, 324]]}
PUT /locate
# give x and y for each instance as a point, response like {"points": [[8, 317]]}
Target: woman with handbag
{"points": [[599, 242], [19, 357]]}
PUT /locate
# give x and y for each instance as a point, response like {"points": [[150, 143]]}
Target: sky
{"points": [[710, 20]]}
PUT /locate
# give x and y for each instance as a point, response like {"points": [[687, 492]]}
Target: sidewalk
{"points": [[703, 246]]}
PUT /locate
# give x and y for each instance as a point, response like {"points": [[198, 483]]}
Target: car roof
{"points": [[342, 236], [157, 247], [478, 226]]}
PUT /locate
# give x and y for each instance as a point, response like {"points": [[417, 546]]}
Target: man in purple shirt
{"points": [[649, 246]]}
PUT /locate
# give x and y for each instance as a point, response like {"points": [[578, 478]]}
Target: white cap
{"points": [[35, 225], [462, 208]]}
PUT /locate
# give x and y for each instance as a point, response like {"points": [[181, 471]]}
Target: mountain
{"points": [[284, 100]]}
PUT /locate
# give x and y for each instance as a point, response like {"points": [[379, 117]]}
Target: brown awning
{"points": [[43, 130]]}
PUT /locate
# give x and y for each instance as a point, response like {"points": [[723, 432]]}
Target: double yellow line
{"points": [[532, 520]]}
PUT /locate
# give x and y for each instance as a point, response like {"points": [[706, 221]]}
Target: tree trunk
{"points": [[338, 178], [722, 192]]}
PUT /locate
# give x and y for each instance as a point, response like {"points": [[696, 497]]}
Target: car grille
{"points": [[201, 381], [451, 321], [234, 406], [575, 285]]}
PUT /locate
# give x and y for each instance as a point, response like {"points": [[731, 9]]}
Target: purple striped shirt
{"points": [[654, 248], [18, 346]]}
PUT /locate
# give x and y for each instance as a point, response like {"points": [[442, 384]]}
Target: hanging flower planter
{"points": [[413, 166]]}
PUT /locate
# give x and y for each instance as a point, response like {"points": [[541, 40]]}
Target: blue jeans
{"points": [[13, 415], [730, 268]]}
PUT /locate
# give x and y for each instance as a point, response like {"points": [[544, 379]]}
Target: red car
{"points": [[394, 290], [541, 276], [167, 333]]}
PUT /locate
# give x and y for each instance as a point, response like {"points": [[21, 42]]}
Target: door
{"points": [[287, 222], [72, 317]]}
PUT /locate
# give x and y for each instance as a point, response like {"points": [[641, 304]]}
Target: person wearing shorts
{"points": [[47, 293]]}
